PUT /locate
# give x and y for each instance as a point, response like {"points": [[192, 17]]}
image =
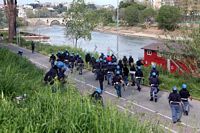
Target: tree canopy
{"points": [[131, 15], [168, 17], [81, 21]]}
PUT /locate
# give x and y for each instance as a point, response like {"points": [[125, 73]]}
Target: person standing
{"points": [[139, 76], [125, 74], [184, 93], [130, 60], [132, 73], [117, 81], [175, 104], [154, 83], [100, 76], [32, 46]]}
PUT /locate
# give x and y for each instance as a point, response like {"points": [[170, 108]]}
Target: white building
{"points": [[21, 12]]}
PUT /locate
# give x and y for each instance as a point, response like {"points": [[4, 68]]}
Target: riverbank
{"points": [[152, 32]]}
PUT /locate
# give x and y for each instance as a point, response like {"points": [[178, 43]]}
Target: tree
{"points": [[81, 21], [105, 16], [147, 14], [131, 15], [168, 17], [3, 21], [11, 14]]}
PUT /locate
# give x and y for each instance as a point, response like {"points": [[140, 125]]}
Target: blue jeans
{"points": [[176, 112], [185, 106], [118, 90], [153, 92], [109, 78], [138, 81], [126, 80]]}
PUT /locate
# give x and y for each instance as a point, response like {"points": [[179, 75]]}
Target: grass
{"points": [[44, 111]]}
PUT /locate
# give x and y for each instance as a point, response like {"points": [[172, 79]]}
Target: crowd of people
{"points": [[117, 73]]}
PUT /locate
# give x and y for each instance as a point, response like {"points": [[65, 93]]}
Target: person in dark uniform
{"points": [[117, 81], [125, 60], [154, 83], [32, 46], [130, 60], [72, 61], [139, 62], [100, 76], [132, 73], [80, 64], [125, 74], [175, 104], [52, 59], [96, 96], [139, 76], [184, 93]]}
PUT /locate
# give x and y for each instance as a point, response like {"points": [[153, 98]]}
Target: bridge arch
{"points": [[55, 22]]}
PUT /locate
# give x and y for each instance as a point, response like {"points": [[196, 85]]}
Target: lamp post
{"points": [[117, 26]]}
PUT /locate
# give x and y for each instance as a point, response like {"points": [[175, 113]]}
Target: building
{"points": [[172, 59], [156, 4], [189, 7], [21, 12]]}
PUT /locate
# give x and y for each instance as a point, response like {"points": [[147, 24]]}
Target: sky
{"points": [[98, 2]]}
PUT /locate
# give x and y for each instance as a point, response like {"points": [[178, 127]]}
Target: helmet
{"points": [[118, 67], [104, 61], [154, 66], [118, 72], [139, 67], [184, 86], [153, 74], [98, 90], [109, 63], [174, 88], [100, 59], [97, 60]]}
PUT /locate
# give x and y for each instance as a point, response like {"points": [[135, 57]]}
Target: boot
{"points": [[151, 99]]}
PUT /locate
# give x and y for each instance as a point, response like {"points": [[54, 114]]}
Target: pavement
{"points": [[132, 101]]}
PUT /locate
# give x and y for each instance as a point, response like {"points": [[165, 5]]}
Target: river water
{"points": [[101, 42]]}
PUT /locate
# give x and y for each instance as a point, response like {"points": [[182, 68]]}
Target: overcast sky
{"points": [[98, 2]]}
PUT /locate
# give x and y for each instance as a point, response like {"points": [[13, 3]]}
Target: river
{"points": [[100, 42]]}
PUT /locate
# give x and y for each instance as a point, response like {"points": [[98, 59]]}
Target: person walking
{"points": [[175, 104], [117, 81], [130, 60], [154, 83], [125, 74], [132, 74], [139, 76], [32, 46], [100, 76], [184, 93]]}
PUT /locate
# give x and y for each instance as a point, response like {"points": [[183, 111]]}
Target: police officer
{"points": [[132, 73], [117, 81], [125, 60], [72, 60], [125, 74], [154, 83], [139, 62], [96, 96], [80, 64], [184, 93], [130, 60], [100, 76], [175, 104], [52, 59], [109, 73], [32, 46], [139, 76]]}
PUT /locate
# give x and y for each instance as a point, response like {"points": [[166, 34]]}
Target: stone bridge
{"points": [[46, 21]]}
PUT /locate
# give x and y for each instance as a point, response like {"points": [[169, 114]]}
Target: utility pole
{"points": [[38, 18], [117, 29]]}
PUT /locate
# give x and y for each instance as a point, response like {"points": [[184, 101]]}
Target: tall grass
{"points": [[61, 112]]}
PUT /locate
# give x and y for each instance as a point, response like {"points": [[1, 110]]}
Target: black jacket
{"points": [[184, 93], [139, 73], [174, 97]]}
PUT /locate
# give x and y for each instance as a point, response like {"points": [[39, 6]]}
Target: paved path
{"points": [[132, 101]]}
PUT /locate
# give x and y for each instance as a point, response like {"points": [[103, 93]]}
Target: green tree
{"points": [[30, 14], [81, 21], [147, 14], [105, 16], [168, 17], [131, 15]]}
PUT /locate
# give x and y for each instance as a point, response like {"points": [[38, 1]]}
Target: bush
{"points": [[168, 17], [132, 15]]}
